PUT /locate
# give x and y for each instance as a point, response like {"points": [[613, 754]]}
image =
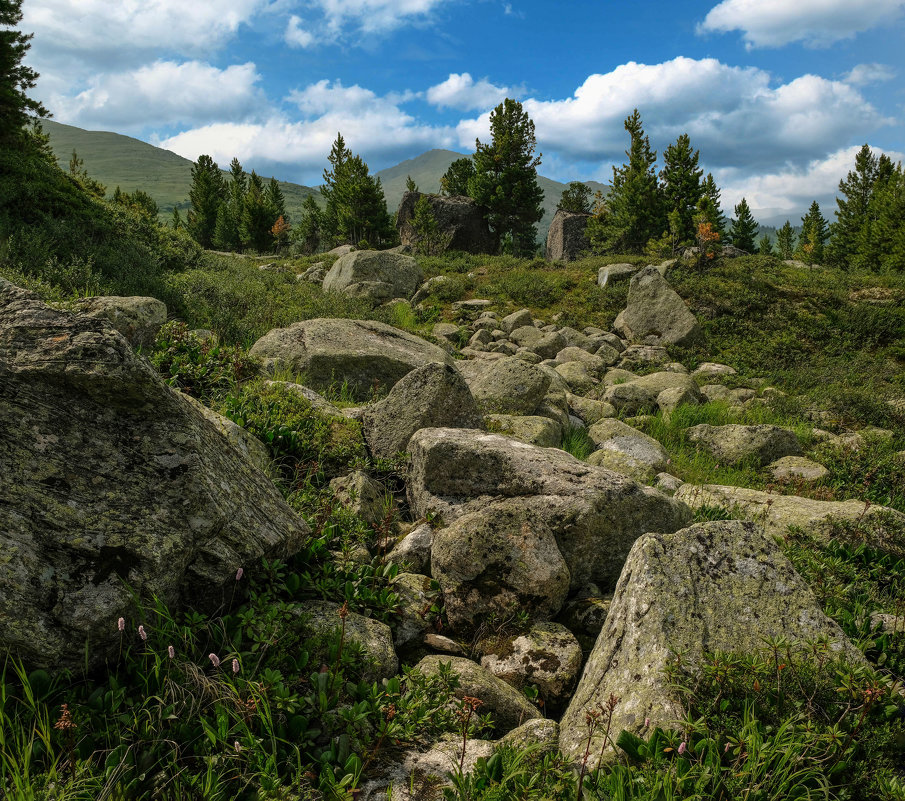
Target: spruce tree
{"points": [[16, 107], [456, 178], [744, 228], [257, 216], [505, 179], [634, 212], [888, 204], [765, 246], [576, 197], [206, 196], [711, 207], [229, 217], [276, 200], [309, 230], [681, 185], [814, 232], [785, 241], [852, 225], [410, 185]]}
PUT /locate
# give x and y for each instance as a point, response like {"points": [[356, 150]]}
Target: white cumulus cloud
{"points": [[867, 74], [817, 23], [374, 15], [461, 91], [296, 35]]}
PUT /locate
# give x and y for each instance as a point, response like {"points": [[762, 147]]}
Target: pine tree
{"points": [[309, 230], [410, 185], [888, 213], [227, 235], [206, 196], [505, 179], [16, 107], [814, 232], [785, 241], [277, 201], [852, 225], [634, 212], [711, 206], [765, 246], [456, 178], [576, 197], [744, 228], [681, 185]]}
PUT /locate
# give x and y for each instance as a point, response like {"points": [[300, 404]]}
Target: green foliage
{"points": [[681, 187], [785, 241], [505, 179], [813, 236], [198, 366], [257, 216], [429, 239], [576, 197], [765, 246], [457, 178], [309, 232], [744, 228], [531, 286], [410, 185], [575, 440], [206, 196], [15, 78]]}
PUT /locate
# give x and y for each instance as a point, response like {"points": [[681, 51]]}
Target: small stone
{"points": [[797, 467]]}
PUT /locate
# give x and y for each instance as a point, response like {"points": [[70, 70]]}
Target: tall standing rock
{"points": [[655, 314], [458, 217], [111, 483], [567, 238]]}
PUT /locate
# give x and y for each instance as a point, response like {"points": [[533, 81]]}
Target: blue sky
{"points": [[777, 94]]}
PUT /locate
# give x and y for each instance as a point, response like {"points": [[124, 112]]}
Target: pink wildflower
{"points": [[682, 747], [121, 624], [215, 660], [239, 573], [235, 665], [142, 633], [171, 652]]}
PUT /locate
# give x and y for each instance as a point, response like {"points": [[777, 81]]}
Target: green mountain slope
{"points": [[117, 160], [427, 169]]}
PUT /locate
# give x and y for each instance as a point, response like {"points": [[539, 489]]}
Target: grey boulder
{"points": [[376, 275], [655, 314]]}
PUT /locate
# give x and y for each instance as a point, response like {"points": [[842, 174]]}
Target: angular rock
{"points": [[734, 444], [361, 495], [506, 386], [459, 219], [319, 402], [542, 734], [533, 429], [363, 353], [672, 398], [610, 273], [709, 370], [507, 705], [797, 467], [635, 357], [590, 411], [501, 560], [712, 586], [641, 393], [577, 376], [137, 319], [547, 656], [520, 319], [626, 450], [243, 441], [655, 314], [883, 527], [110, 477], [432, 396], [414, 550], [595, 365], [567, 238], [595, 514], [413, 619], [376, 275]]}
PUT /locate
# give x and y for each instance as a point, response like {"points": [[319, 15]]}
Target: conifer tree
{"points": [[681, 186], [277, 201], [888, 204], [765, 246], [634, 211], [309, 231], [206, 196], [576, 197], [852, 225], [410, 185], [456, 178], [256, 216], [744, 228], [785, 241], [227, 235], [711, 207], [16, 107], [505, 179], [813, 237]]}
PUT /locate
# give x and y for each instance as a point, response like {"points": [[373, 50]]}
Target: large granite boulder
{"points": [[376, 275], [458, 218], [594, 514], [626, 450], [432, 396], [712, 586], [112, 483], [366, 355], [137, 319], [506, 386], [567, 238], [637, 394], [655, 314], [734, 444]]}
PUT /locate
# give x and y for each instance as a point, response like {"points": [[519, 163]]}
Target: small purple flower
{"points": [[235, 665], [142, 633], [215, 660], [121, 624], [239, 573], [171, 652], [682, 747]]}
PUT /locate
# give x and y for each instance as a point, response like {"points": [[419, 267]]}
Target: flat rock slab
{"points": [[792, 468], [777, 512], [734, 444], [365, 354], [533, 429], [627, 450], [712, 586]]}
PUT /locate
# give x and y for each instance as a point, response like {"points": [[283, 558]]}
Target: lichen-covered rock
{"points": [[882, 527], [734, 444], [712, 586], [541, 734], [567, 238], [507, 705], [596, 365], [501, 560], [366, 355], [626, 450], [518, 319], [435, 395], [459, 219], [577, 376], [321, 619], [595, 514], [672, 398], [111, 478], [413, 618], [610, 273], [414, 549], [137, 319], [710, 370], [376, 275], [589, 410], [797, 468], [533, 429], [547, 656], [361, 495], [243, 441], [639, 393], [505, 386], [655, 314]]}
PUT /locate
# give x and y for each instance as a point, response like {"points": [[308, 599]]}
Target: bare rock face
{"points": [[594, 514], [712, 586], [376, 275], [112, 480], [459, 218], [567, 238], [655, 314]]}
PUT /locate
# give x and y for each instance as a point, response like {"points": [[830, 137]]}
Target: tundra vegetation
{"points": [[246, 701]]}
